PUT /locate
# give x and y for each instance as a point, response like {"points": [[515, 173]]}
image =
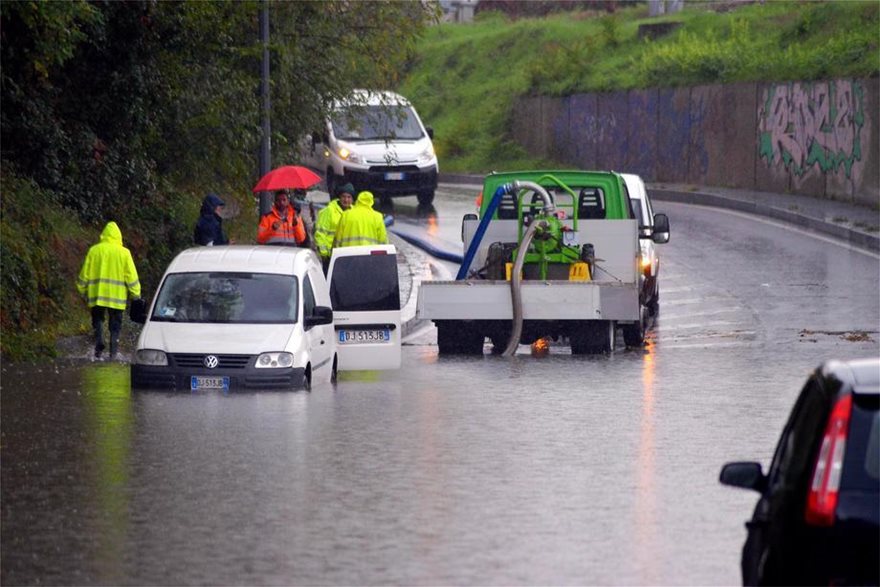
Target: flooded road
{"points": [[481, 470]]}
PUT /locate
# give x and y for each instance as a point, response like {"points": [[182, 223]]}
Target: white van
{"points": [[365, 296], [238, 317], [377, 142]]}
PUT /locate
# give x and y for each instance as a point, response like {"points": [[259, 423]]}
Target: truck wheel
{"points": [[593, 337], [499, 342], [634, 334], [425, 197], [457, 338]]}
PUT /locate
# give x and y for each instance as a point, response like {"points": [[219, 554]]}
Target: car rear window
{"points": [[365, 283], [861, 466]]}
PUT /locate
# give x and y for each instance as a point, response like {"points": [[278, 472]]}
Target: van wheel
{"points": [[330, 181], [334, 374], [634, 334], [425, 197], [307, 378]]}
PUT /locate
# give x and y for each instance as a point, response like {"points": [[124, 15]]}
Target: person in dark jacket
{"points": [[209, 228]]}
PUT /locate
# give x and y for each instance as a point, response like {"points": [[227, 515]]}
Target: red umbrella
{"points": [[293, 177]]}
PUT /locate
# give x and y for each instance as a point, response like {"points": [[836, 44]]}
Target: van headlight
{"points": [[427, 155], [274, 360], [151, 357], [348, 155]]}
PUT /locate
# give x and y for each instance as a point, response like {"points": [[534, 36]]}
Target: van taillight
{"points": [[822, 499], [378, 252]]}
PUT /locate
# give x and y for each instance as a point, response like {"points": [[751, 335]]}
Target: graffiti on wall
{"points": [[818, 125]]}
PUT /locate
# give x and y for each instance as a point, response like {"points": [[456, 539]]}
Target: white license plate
{"points": [[199, 382], [394, 176], [364, 336]]}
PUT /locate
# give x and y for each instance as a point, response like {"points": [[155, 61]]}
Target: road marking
{"points": [[661, 328], [706, 345], [728, 310], [683, 302]]}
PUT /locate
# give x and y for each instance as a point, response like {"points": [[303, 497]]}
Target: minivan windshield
{"points": [[365, 283], [379, 122], [227, 298]]}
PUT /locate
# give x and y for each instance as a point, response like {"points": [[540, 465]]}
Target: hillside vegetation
{"points": [[466, 77]]}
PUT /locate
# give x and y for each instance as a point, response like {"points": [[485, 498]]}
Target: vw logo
{"points": [[211, 361]]}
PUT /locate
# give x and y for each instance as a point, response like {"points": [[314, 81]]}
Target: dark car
{"points": [[818, 518]]}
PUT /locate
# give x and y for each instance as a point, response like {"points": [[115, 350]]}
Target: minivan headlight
{"points": [[427, 155], [348, 155], [274, 360], [151, 357]]}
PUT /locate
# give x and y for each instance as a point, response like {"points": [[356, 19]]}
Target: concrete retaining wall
{"points": [[815, 138]]}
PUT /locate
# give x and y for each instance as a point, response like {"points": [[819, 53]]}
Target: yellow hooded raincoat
{"points": [[108, 274], [325, 227], [361, 225]]}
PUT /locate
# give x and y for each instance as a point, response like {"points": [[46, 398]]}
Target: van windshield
{"points": [[365, 283], [227, 298], [380, 122]]}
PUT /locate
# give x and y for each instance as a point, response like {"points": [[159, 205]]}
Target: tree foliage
{"points": [[132, 110]]}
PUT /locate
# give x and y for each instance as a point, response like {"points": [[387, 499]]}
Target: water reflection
{"points": [[106, 388], [646, 507]]}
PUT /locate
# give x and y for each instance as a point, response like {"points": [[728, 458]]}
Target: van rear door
{"points": [[365, 295]]}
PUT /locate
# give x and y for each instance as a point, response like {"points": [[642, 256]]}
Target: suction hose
{"points": [[515, 293], [481, 230], [549, 206]]}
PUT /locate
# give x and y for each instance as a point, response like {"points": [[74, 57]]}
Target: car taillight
{"points": [[822, 499]]}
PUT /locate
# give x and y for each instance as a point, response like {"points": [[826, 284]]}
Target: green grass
{"points": [[466, 77]]}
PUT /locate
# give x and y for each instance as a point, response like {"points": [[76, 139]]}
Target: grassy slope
{"points": [[466, 77]]}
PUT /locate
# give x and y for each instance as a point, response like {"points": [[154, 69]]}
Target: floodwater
{"points": [[538, 469]]}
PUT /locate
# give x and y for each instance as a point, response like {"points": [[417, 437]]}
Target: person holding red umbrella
{"points": [[282, 225]]}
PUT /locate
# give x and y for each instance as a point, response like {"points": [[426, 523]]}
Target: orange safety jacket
{"points": [[291, 227]]}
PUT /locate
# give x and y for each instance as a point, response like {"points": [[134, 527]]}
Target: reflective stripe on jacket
{"points": [[108, 275], [361, 225], [291, 229], [325, 227]]}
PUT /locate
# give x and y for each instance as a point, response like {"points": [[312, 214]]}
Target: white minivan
{"points": [[365, 296], [255, 317], [377, 142]]}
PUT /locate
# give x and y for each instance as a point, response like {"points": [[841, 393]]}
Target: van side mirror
{"points": [[661, 229], [320, 315], [137, 311], [467, 217], [745, 475], [430, 131]]}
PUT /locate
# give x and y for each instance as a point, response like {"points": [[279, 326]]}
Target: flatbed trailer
{"points": [[579, 277]]}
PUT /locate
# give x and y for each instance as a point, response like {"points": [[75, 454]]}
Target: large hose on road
{"points": [[515, 293]]}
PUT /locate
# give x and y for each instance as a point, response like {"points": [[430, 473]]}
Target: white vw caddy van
{"points": [[377, 142], [226, 317], [365, 295]]}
